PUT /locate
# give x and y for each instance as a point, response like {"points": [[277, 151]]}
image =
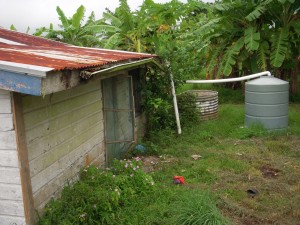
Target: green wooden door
{"points": [[118, 115]]}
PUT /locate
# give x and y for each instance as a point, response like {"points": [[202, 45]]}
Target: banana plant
{"points": [[120, 29], [74, 30], [270, 30]]}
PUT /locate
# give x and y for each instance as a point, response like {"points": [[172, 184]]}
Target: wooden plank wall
{"points": [[11, 201], [64, 133]]}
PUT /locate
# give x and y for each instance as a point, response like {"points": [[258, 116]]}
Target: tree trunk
{"points": [[294, 78]]}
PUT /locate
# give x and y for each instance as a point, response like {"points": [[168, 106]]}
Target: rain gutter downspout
{"points": [[126, 65], [229, 79]]}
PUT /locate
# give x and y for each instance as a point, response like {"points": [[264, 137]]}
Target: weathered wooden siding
{"points": [[64, 132], [11, 201]]}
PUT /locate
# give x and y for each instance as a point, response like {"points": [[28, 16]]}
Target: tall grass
{"points": [[195, 208]]}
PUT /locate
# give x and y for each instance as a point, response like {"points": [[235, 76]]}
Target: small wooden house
{"points": [[62, 108]]}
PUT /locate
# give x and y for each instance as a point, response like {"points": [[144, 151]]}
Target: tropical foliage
{"points": [[120, 29], [242, 37], [75, 30]]}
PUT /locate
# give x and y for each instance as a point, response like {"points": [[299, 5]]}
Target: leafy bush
{"points": [[157, 103], [98, 194], [187, 109]]}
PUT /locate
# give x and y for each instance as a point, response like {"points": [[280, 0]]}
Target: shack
{"points": [[62, 108]]}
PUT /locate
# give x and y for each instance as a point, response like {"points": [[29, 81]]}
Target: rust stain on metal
{"points": [[59, 56], [27, 39], [66, 78]]}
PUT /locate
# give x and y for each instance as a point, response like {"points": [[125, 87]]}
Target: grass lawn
{"points": [[233, 160], [236, 159]]}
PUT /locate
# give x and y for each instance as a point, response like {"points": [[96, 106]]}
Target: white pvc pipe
{"points": [[175, 105], [229, 79], [143, 61]]}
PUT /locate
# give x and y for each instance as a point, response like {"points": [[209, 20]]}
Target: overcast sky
{"points": [[38, 13]]}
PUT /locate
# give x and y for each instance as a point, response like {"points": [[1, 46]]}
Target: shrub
{"points": [[187, 109], [98, 194]]}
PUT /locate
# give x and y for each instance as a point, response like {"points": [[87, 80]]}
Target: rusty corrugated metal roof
{"points": [[22, 48]]}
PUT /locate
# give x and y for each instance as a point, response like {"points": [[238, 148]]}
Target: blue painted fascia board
{"points": [[22, 83]]}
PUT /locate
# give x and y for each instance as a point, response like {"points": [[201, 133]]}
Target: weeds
{"points": [[99, 194], [193, 208], [233, 159], [125, 194]]}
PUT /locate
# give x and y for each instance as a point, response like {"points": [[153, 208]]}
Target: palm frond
{"points": [[39, 31], [113, 41], [229, 58], [258, 11], [224, 6], [279, 47], [206, 27], [99, 29], [262, 56], [113, 20], [90, 40], [91, 19], [124, 14], [252, 39], [64, 20], [213, 59], [296, 26], [78, 17]]}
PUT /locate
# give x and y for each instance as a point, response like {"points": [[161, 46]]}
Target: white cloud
{"points": [[38, 13]]}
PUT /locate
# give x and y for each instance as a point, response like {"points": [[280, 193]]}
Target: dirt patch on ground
{"points": [[150, 163], [268, 172], [153, 163]]}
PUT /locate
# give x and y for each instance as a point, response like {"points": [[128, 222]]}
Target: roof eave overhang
{"points": [[32, 70], [32, 80]]}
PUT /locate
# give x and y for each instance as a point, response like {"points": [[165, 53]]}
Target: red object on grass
{"points": [[178, 179]]}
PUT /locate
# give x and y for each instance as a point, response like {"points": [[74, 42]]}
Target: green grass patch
{"points": [[233, 159], [125, 194]]}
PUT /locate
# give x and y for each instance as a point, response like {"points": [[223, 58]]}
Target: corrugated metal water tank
{"points": [[206, 103], [266, 102]]}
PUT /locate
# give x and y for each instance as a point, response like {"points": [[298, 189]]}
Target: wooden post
{"points": [[23, 159]]}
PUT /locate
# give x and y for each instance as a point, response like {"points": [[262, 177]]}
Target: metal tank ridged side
{"points": [[266, 102], [206, 103]]}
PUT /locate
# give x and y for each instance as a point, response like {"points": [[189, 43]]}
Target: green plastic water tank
{"points": [[267, 102]]}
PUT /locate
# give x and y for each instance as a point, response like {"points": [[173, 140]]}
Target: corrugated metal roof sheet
{"points": [[26, 49]]}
